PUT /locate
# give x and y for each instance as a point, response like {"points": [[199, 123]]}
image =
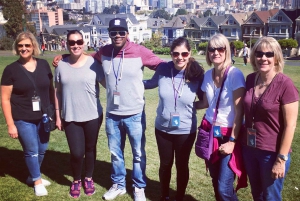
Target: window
{"points": [[192, 25], [230, 21], [233, 32], [253, 20], [283, 29], [134, 29], [279, 18], [209, 23]]}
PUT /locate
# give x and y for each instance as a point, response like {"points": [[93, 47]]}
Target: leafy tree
{"points": [[6, 43], [13, 11], [181, 11], [238, 44], [202, 46], [207, 13], [161, 14], [114, 9]]}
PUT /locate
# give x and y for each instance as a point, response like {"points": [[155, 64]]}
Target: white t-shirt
{"points": [[235, 80]]}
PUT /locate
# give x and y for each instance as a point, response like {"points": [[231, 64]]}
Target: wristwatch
{"points": [[283, 157], [232, 139]]}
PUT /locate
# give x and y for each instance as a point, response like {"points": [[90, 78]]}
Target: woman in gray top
{"points": [[78, 104], [178, 83]]}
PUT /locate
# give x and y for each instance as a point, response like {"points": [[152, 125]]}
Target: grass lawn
{"points": [[56, 167]]}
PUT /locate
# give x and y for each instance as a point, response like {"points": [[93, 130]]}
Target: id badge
{"points": [[36, 103], [116, 98], [175, 119], [217, 131], [251, 137]]}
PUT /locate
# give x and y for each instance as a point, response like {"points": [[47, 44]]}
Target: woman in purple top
{"points": [[271, 110]]}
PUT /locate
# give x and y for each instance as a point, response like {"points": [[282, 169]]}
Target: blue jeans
{"points": [[34, 141], [259, 165], [116, 128], [222, 179]]}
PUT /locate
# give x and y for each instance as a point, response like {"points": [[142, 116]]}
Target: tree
{"points": [[238, 44], [161, 14], [202, 46], [114, 9], [6, 43], [12, 12], [207, 13], [181, 11]]}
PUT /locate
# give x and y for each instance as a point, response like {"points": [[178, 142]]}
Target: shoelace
{"points": [[89, 184], [75, 186]]}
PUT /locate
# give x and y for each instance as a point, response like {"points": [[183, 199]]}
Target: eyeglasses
{"points": [[183, 54], [26, 45], [219, 49], [73, 42], [260, 54], [114, 33]]}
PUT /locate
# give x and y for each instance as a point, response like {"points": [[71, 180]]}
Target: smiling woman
{"points": [[26, 88]]}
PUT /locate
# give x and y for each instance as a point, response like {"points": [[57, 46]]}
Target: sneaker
{"points": [[40, 190], [89, 188], [30, 182], [113, 192], [139, 194], [245, 65], [75, 189]]}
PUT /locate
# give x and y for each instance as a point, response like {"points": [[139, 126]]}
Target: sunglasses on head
{"points": [[219, 49], [183, 54], [26, 45], [114, 33], [260, 54], [73, 42]]}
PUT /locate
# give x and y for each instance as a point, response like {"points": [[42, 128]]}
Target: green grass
{"points": [[56, 167]]}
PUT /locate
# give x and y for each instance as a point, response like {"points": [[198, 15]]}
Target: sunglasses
{"points": [[114, 33], [219, 49], [183, 54], [73, 42], [260, 54], [26, 45]]}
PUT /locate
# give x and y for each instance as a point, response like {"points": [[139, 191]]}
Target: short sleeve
{"points": [[7, 78], [100, 72], [237, 79], [289, 92]]}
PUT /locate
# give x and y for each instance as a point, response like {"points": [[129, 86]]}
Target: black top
{"points": [[23, 88]]}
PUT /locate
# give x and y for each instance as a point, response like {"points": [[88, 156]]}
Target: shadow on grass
{"points": [[56, 166]]}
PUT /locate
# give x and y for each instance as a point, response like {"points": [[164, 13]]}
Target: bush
{"points": [[238, 44], [202, 46], [6, 43], [161, 50], [288, 43]]}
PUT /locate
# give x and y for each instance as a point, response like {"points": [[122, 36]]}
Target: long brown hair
{"points": [[193, 71]]}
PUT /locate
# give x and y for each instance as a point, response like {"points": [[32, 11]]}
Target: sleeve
{"points": [[237, 79], [7, 78], [289, 92], [100, 72], [205, 81], [57, 74], [48, 68], [153, 82], [149, 59]]}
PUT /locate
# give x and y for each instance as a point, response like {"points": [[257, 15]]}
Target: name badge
{"points": [[251, 137], [116, 98], [175, 119], [217, 131], [36, 103]]}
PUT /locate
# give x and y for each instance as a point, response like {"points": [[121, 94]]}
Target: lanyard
{"points": [[116, 73], [177, 91], [253, 106]]}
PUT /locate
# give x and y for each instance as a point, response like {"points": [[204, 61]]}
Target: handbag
{"points": [[204, 142], [50, 110]]}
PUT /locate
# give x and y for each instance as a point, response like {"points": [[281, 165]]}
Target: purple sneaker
{"points": [[89, 188], [75, 189]]}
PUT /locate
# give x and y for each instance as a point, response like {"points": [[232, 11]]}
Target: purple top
{"points": [[268, 116]]}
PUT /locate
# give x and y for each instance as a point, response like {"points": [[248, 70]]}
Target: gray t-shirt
{"points": [[79, 90]]}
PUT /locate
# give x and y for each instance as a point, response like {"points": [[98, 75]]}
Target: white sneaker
{"points": [[40, 190], [44, 181], [113, 192], [139, 194]]}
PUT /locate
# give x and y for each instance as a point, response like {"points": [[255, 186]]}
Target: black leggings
{"points": [[82, 139], [168, 146]]}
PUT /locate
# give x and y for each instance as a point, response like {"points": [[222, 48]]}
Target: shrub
{"points": [[288, 43], [161, 50], [202, 46], [238, 44], [6, 43]]}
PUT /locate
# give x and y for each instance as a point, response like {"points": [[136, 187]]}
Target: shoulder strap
{"points": [[219, 97]]}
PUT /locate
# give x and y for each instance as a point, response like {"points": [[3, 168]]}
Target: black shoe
{"points": [[233, 62]]}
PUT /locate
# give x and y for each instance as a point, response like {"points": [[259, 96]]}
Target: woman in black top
{"points": [[21, 104]]}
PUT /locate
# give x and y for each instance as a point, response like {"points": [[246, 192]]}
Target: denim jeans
{"points": [[223, 178], [34, 141], [259, 165], [116, 128]]}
